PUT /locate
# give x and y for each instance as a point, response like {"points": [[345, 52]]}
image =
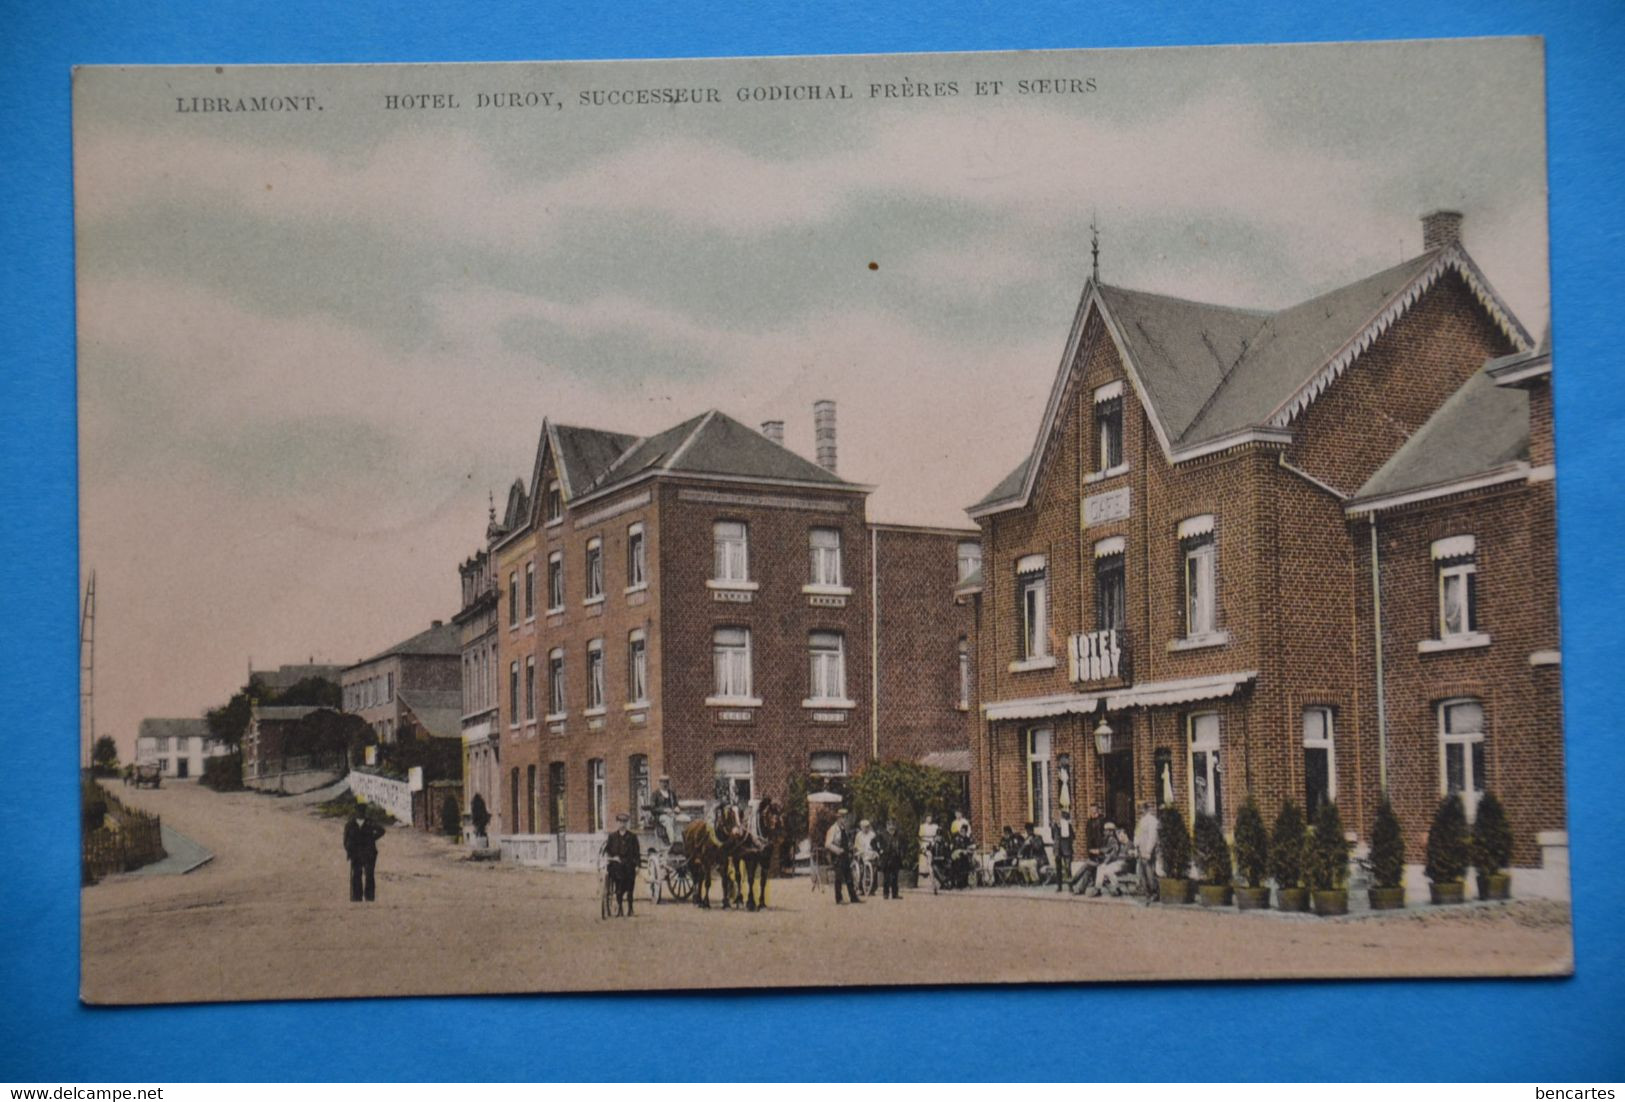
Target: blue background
{"points": [[1527, 1030]]}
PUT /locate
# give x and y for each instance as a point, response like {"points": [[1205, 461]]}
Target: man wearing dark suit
{"points": [[889, 847], [361, 847], [622, 850], [1061, 834]]}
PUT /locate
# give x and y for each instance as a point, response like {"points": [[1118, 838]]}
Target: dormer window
{"points": [[555, 502], [1109, 429]]}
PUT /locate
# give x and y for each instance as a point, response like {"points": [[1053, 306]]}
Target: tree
{"points": [[1326, 857], [1212, 851], [1286, 847], [1491, 844], [1447, 842], [884, 788], [104, 758], [1387, 847], [1174, 841], [1252, 844], [311, 691]]}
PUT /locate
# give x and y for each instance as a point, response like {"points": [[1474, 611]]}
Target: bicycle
{"points": [[606, 880]]}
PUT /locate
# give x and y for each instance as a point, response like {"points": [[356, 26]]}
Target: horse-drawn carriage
{"points": [[736, 840]]}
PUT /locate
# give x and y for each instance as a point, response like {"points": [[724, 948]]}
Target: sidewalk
{"points": [[182, 855]]}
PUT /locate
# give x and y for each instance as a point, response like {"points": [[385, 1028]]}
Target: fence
{"points": [[132, 839], [392, 795]]}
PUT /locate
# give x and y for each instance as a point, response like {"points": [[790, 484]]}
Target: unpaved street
{"points": [[270, 918]]}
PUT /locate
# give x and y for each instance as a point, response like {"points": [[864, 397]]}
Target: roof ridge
{"points": [[688, 441], [1255, 310]]}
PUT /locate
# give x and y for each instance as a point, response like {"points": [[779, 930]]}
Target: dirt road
{"points": [[270, 918]]}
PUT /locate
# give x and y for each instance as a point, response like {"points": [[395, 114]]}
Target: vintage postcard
{"points": [[981, 518]]}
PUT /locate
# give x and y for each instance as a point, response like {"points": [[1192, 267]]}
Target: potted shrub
{"points": [[1252, 858], [1387, 891], [1174, 844], [1447, 851], [1326, 863], [1286, 859], [1491, 849], [1213, 858]]}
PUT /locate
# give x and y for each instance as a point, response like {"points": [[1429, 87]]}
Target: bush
{"points": [[224, 773], [1491, 845], [1212, 851], [1286, 847], [1447, 842], [1326, 856], [1252, 844], [884, 787], [1387, 847], [1175, 843]]}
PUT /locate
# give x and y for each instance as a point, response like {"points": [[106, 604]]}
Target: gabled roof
{"points": [[172, 728], [1481, 429], [582, 455], [439, 711], [1209, 376], [286, 677], [440, 639]]}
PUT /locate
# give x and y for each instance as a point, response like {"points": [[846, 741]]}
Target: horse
{"points": [[706, 850], [755, 853]]}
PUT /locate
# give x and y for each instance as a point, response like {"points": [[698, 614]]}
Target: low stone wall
{"points": [[294, 782], [388, 793], [541, 850]]}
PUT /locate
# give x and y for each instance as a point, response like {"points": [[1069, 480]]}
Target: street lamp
{"points": [[1103, 738]]}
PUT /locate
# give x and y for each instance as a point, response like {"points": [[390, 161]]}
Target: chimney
{"points": [[774, 431], [824, 433], [437, 623], [1440, 228]]}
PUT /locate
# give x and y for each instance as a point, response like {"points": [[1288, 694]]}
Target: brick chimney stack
{"points": [[1440, 228], [824, 433], [774, 431]]}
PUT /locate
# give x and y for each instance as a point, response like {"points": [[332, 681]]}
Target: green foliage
{"points": [[228, 722], [1252, 844], [884, 788], [1212, 851], [316, 691], [441, 759], [795, 809], [1387, 847], [1448, 858], [1175, 843], [1326, 854], [1286, 847], [224, 773], [1491, 845], [93, 804], [104, 757]]}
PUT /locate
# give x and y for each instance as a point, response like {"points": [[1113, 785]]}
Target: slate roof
{"points": [[438, 640], [1481, 428], [286, 677], [439, 711], [583, 454], [172, 728], [1210, 372]]}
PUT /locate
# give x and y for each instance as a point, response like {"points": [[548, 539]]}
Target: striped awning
{"points": [[1151, 694]]}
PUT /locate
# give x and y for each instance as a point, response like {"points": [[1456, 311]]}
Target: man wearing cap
{"points": [[622, 850], [361, 836], [664, 806], [889, 843], [838, 844]]}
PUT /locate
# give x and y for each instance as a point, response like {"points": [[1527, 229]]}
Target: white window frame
{"points": [[1201, 588], [1109, 400], [513, 598], [968, 557], [530, 591], [555, 581], [830, 757], [1473, 786], [730, 553], [556, 697], [594, 571], [826, 681], [1039, 748], [530, 687], [1458, 573], [1032, 600], [736, 765], [824, 548], [965, 671], [637, 558], [595, 677], [597, 795], [1208, 741], [637, 668], [513, 693], [554, 502], [731, 667], [1323, 738]]}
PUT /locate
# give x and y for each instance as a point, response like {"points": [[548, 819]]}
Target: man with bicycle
{"points": [[621, 849]]}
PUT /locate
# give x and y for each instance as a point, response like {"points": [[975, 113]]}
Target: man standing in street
{"points": [[838, 844], [622, 850], [1145, 850], [361, 836], [889, 844]]}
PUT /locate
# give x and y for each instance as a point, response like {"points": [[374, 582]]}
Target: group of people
{"points": [[1025, 854], [1111, 856], [845, 847], [949, 856]]}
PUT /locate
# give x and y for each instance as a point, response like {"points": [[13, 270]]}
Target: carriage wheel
{"points": [[680, 884], [606, 896]]}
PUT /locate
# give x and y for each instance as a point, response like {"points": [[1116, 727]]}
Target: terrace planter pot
{"points": [[1292, 899], [1214, 895], [1173, 892], [1451, 891], [1497, 885], [1333, 901], [1387, 899], [1253, 899]]}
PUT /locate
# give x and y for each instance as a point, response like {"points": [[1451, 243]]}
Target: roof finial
{"points": [[1094, 248], [491, 507]]}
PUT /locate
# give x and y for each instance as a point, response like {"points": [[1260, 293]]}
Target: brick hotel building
{"points": [[1179, 600], [707, 604]]}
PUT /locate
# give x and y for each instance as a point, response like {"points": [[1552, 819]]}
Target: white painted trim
{"points": [[609, 512], [1178, 692], [1100, 476], [556, 717], [1546, 658], [1112, 545], [1516, 473], [733, 702], [688, 441], [831, 704], [598, 600], [1546, 472], [1195, 526], [1031, 564], [827, 590], [1234, 440], [1551, 837], [748, 587], [1199, 642], [1471, 640], [1521, 372], [593, 713], [1042, 707], [639, 588], [1038, 662], [1109, 391], [1454, 547]]}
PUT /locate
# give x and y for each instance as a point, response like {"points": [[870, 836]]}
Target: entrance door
{"points": [[555, 808], [1119, 770], [181, 765]]}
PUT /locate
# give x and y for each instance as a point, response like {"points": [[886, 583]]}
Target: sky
{"points": [[312, 343]]}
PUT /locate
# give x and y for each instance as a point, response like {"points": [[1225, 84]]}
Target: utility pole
{"points": [[87, 672]]}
